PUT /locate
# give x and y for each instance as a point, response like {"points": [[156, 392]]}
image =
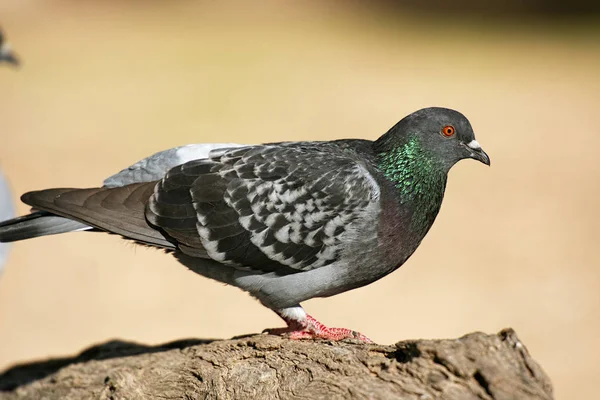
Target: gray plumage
{"points": [[36, 224], [284, 221], [157, 165]]}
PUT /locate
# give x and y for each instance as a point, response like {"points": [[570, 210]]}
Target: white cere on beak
{"points": [[474, 145]]}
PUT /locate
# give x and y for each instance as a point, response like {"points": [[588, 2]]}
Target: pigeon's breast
{"points": [[404, 223], [397, 236]]}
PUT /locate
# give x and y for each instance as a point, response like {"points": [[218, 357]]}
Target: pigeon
{"points": [[6, 53], [286, 221]]}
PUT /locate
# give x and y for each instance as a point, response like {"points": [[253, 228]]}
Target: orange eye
{"points": [[448, 131]]}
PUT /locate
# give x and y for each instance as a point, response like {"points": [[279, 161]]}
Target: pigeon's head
{"points": [[446, 135]]}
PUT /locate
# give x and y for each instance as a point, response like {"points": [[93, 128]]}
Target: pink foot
{"points": [[313, 329]]}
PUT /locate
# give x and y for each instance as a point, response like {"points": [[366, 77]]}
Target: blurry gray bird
{"points": [[6, 211], [6, 204], [285, 222], [6, 53]]}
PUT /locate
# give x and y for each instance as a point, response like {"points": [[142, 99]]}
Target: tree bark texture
{"points": [[475, 366]]}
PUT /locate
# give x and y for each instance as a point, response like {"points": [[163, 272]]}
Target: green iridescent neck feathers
{"points": [[414, 170], [418, 176]]}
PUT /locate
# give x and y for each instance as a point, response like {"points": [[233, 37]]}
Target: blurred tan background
{"points": [[104, 84]]}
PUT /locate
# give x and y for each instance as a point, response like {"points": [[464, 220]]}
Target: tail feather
{"points": [[36, 224], [119, 210]]}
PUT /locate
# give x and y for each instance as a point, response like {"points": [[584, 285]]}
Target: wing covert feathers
{"points": [[270, 208]]}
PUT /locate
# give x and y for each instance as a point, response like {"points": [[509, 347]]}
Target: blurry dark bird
{"points": [[286, 222], [6, 53]]}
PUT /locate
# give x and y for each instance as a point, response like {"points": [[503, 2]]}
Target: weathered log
{"points": [[475, 366]]}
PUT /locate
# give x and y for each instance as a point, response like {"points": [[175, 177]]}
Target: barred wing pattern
{"points": [[279, 208]]}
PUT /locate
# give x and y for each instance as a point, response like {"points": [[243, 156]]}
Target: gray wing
{"points": [[278, 208]]}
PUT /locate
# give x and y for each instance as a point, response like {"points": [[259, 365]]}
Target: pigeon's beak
{"points": [[477, 153], [6, 54]]}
